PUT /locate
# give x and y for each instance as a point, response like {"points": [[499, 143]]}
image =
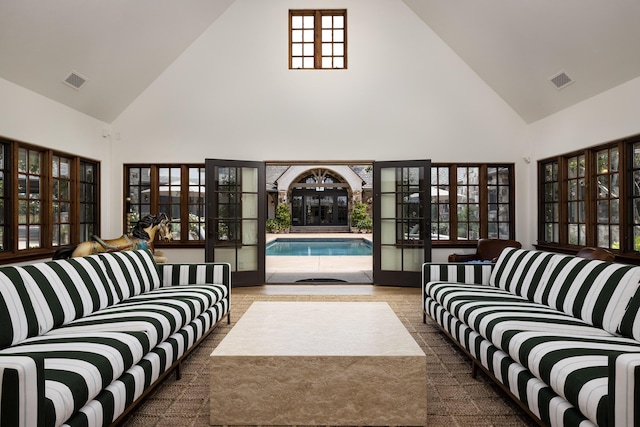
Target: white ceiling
{"points": [[122, 46]]}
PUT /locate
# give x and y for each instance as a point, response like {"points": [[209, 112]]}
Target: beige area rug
{"points": [[454, 398]]}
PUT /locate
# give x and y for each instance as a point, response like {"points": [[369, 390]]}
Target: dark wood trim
{"points": [[46, 249], [483, 202], [317, 36], [625, 252]]}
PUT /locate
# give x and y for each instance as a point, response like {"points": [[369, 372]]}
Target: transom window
{"points": [[318, 39], [42, 195]]}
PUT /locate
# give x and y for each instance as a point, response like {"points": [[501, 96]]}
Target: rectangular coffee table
{"points": [[318, 363]]}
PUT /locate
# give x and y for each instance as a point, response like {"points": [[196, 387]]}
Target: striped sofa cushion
{"points": [[595, 291], [457, 272], [115, 398], [158, 313], [131, 272], [577, 368], [630, 323], [77, 367], [193, 274], [36, 298], [521, 271], [535, 394], [493, 312]]}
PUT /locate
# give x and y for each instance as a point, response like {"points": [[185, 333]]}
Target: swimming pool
{"points": [[290, 246]]}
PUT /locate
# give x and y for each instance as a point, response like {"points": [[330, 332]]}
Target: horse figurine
{"points": [[141, 237]]}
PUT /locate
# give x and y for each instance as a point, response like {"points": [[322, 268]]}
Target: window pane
{"points": [[307, 36], [550, 207], [608, 202], [29, 199], [308, 21], [296, 22], [308, 50]]}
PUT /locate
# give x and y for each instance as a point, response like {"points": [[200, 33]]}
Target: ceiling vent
{"points": [[75, 80], [560, 80]]}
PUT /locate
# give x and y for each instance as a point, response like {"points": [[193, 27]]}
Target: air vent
{"points": [[560, 80], [75, 80]]}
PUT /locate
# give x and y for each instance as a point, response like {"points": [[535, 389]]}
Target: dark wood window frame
{"points": [[329, 43], [484, 202], [610, 189], [153, 205], [40, 211]]}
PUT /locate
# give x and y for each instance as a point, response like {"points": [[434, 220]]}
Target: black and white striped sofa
{"points": [[82, 340], [560, 334]]}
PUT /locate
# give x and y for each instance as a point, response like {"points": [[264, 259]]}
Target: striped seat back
{"points": [[597, 292], [131, 272], [37, 298], [185, 274], [521, 271], [630, 323]]}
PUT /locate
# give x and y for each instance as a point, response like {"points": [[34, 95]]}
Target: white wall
{"points": [[609, 116], [28, 117], [405, 95]]}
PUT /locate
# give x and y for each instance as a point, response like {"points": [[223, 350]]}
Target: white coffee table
{"points": [[318, 363]]}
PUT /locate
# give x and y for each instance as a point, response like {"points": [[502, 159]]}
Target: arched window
{"points": [[319, 198]]}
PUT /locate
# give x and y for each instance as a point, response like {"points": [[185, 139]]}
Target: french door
{"points": [[401, 221], [236, 215]]}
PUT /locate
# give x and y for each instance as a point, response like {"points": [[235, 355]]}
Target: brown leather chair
{"points": [[487, 250], [596, 253]]}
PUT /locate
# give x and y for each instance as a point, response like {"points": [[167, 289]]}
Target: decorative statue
{"points": [[141, 237]]}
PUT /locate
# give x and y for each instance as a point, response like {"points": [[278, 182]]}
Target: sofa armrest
{"points": [[624, 390], [473, 274], [21, 391], [219, 273]]}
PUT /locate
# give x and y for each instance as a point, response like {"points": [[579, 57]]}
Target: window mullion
{"points": [[155, 188], [483, 215], [184, 202], [74, 210], [562, 201], [453, 210], [317, 40], [46, 199], [623, 224]]}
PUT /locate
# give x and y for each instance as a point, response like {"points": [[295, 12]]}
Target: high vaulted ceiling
{"points": [[121, 46]]}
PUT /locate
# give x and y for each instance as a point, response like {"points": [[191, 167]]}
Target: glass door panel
{"points": [[401, 218], [235, 232]]}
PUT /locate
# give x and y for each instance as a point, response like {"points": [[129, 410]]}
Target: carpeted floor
{"points": [[454, 398]]}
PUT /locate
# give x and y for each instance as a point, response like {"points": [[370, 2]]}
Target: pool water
{"points": [[319, 247]]}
